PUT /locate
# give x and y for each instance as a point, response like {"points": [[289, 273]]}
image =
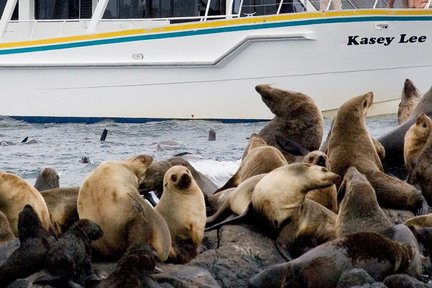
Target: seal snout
{"points": [[182, 181]]}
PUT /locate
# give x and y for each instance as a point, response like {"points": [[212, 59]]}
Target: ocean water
{"points": [[62, 146]]}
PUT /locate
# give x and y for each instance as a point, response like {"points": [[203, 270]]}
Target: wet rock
{"points": [[185, 276], [7, 248], [403, 281], [354, 277]]}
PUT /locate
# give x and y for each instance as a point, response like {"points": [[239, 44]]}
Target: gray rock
{"points": [[7, 248], [354, 277], [403, 281], [185, 276]]}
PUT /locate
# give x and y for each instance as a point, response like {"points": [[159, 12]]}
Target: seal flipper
{"points": [[291, 147], [233, 219], [221, 213]]}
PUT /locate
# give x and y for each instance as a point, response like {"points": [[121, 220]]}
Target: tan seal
{"points": [[109, 197], [182, 206], [410, 98], [352, 145], [325, 196], [47, 179], [15, 193]]}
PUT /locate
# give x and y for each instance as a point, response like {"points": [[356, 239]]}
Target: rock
{"points": [[398, 216], [179, 276], [403, 281], [7, 248], [354, 277]]}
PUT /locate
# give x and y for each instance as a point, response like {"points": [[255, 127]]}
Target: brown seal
{"points": [[6, 233], [182, 205], [15, 193], [297, 118], [325, 196], [109, 197], [414, 142], [409, 100], [47, 179], [352, 145], [322, 266], [359, 210]]}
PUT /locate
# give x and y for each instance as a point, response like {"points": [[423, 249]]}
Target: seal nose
{"points": [[184, 181]]}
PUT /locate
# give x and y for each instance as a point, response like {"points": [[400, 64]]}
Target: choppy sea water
{"points": [[62, 146]]}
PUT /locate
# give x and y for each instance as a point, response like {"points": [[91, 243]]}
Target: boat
{"points": [[135, 60]]}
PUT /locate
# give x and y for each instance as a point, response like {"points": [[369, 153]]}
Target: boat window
{"points": [[2, 6], [63, 9], [268, 7]]}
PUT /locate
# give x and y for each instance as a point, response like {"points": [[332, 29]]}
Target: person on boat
{"points": [[336, 4], [409, 3]]}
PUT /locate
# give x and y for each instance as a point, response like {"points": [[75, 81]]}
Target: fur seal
{"points": [[297, 118], [409, 100], [6, 233], [359, 210], [62, 205], [105, 198], [133, 269], [325, 196], [69, 259], [47, 179], [15, 193], [352, 145], [260, 158], [35, 242], [414, 142], [322, 266], [182, 205], [393, 141]]}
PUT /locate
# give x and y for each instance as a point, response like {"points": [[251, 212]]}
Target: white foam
{"points": [[217, 171]]}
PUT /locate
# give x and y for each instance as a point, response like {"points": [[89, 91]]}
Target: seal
{"points": [[359, 210], [351, 145], [134, 269], [47, 179], [105, 198], [325, 196], [410, 98], [182, 205], [15, 193], [322, 266], [62, 206], [35, 242], [260, 158], [69, 259], [297, 118], [414, 142], [6, 233]]}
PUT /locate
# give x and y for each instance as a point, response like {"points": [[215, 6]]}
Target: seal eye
{"points": [[365, 104], [173, 178]]}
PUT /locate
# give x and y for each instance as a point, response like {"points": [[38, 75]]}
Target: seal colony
{"points": [[325, 212]]}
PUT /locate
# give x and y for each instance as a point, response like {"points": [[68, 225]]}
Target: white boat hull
{"points": [[212, 75]]}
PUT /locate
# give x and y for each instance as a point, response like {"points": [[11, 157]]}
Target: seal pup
{"points": [[182, 205], [104, 199], [414, 142], [134, 269], [15, 193], [325, 196], [6, 233], [297, 118], [258, 159], [359, 210], [69, 259], [47, 179], [322, 266], [410, 98], [352, 145], [31, 256]]}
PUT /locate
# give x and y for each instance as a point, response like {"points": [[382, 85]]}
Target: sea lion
{"points": [[414, 142], [322, 266], [211, 135], [15, 193], [352, 145], [104, 199], [35, 242], [62, 206], [359, 210], [393, 141], [155, 174], [259, 159], [182, 205], [69, 259], [409, 100], [6, 233], [325, 196], [47, 179], [297, 118], [133, 270]]}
